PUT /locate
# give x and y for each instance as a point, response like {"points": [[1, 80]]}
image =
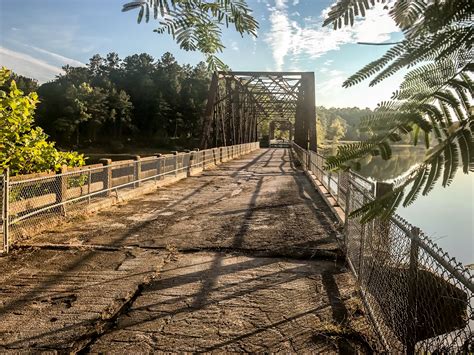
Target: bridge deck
{"points": [[240, 258]]}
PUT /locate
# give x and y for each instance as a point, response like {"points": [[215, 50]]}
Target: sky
{"points": [[38, 37]]}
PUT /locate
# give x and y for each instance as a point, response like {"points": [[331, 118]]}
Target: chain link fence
{"points": [[36, 201], [3, 214], [420, 300]]}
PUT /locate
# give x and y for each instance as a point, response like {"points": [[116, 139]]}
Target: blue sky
{"points": [[38, 37]]}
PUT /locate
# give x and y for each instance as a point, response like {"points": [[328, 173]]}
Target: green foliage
{"points": [[337, 129], [346, 119], [433, 103], [113, 101], [196, 25], [27, 85], [23, 147]]}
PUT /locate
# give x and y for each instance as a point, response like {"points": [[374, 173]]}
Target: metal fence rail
{"points": [[419, 299], [30, 203]]}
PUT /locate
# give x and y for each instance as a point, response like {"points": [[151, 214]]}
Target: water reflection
{"points": [[402, 160], [446, 214]]}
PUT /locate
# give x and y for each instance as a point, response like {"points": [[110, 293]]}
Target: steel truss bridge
{"points": [[240, 102]]}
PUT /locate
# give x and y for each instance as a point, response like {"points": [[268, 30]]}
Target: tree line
{"points": [[341, 124], [112, 101]]}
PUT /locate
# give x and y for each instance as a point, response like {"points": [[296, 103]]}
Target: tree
{"points": [[196, 24], [23, 147], [120, 108], [27, 85], [434, 100], [337, 129], [138, 99], [320, 131]]}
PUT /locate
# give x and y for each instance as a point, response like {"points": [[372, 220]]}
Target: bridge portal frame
{"points": [[240, 101]]}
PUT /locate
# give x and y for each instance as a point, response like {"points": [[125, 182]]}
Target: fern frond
{"points": [[436, 169], [349, 152], [451, 163], [375, 66], [418, 183], [346, 10], [466, 147], [194, 24], [406, 12]]}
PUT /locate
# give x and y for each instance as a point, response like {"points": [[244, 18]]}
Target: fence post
{"points": [[382, 188], [158, 155], [412, 291], [175, 162], [361, 248], [5, 209], [89, 175], [107, 179], [347, 211], [137, 168], [308, 158], [195, 154], [338, 188], [191, 161], [61, 197]]}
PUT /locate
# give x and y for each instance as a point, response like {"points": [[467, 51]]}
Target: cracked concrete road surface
{"points": [[242, 258]]}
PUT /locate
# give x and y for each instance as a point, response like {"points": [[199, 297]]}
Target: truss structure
{"points": [[283, 125], [239, 102]]}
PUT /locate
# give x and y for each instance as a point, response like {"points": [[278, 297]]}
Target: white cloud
{"points": [[330, 93], [288, 37], [43, 67], [280, 37], [296, 2], [27, 65], [234, 46], [280, 4], [61, 59], [328, 62]]}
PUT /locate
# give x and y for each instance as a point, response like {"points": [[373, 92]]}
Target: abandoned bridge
{"points": [[228, 248], [240, 258]]}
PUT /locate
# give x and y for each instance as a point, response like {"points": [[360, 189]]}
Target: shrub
{"points": [[24, 148]]}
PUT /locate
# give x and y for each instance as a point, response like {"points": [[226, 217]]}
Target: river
{"points": [[446, 215]]}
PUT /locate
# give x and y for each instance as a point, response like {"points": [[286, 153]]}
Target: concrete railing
{"points": [[30, 202]]}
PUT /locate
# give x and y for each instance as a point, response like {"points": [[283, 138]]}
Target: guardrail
{"points": [[31, 202], [419, 299]]}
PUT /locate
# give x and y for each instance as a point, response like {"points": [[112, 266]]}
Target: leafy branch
{"points": [[435, 98], [196, 25]]}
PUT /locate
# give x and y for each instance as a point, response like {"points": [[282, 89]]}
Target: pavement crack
{"points": [[109, 321], [288, 253]]}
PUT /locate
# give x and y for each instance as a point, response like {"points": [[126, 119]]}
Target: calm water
{"points": [[446, 214]]}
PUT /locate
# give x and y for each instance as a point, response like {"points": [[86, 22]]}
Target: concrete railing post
{"points": [[158, 166], [61, 181], [107, 175], [175, 162], [137, 168], [192, 157], [196, 158]]}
